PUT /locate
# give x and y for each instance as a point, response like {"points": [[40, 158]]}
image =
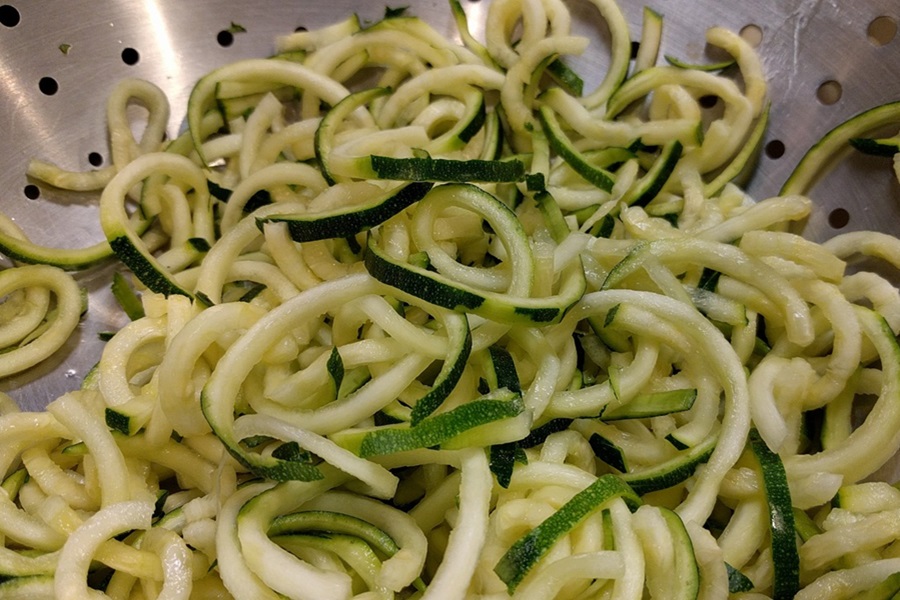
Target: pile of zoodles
{"points": [[417, 319]]}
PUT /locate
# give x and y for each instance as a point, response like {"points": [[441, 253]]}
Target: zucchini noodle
{"points": [[413, 319]]}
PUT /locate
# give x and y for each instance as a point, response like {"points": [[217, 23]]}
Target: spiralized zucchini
{"points": [[421, 320]]}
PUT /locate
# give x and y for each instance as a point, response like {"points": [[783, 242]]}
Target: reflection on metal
{"points": [[803, 45]]}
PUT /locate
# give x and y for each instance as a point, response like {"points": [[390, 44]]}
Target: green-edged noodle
{"points": [[525, 553], [785, 556]]}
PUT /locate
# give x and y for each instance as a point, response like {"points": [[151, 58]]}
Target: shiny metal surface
{"points": [[85, 46]]}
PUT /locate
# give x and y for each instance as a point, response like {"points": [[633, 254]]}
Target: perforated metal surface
{"points": [[78, 49]]}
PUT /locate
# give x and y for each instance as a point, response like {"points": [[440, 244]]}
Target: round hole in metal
{"points": [[708, 101], [95, 158], [225, 38], [9, 15], [32, 192], [882, 30], [775, 149], [752, 34], [130, 56], [48, 86], [829, 92], [838, 218]]}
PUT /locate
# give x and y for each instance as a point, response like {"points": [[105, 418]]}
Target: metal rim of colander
{"points": [[825, 61]]}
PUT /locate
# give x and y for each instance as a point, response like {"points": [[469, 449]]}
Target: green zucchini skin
{"points": [[144, 268], [876, 147], [785, 557], [524, 554], [448, 170], [822, 153], [438, 429], [351, 221]]}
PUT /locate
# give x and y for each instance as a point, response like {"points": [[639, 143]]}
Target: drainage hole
{"points": [[838, 218], [635, 47], [708, 101], [882, 30], [752, 34], [32, 192], [95, 158], [829, 92], [130, 56], [9, 16], [48, 86], [225, 38], [775, 149]]}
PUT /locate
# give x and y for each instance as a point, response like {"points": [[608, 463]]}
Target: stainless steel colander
{"points": [[825, 60]]}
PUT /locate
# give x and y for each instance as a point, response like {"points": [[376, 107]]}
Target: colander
{"points": [[825, 60]]}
